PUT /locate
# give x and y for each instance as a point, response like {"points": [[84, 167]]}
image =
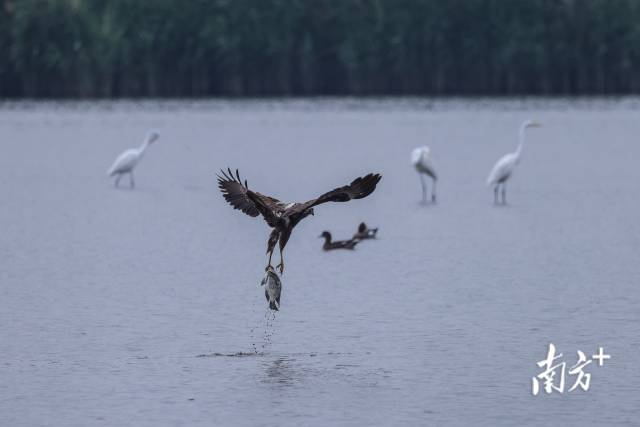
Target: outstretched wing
{"points": [[359, 188], [250, 202]]}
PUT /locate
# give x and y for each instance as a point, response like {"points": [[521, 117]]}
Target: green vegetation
{"points": [[106, 48]]}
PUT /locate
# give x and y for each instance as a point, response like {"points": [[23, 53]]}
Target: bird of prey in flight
{"points": [[283, 217]]}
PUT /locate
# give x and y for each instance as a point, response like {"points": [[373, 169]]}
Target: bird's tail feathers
{"points": [[491, 179], [273, 304]]}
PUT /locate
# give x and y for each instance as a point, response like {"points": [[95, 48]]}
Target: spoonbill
{"points": [[127, 161], [504, 167], [421, 160]]}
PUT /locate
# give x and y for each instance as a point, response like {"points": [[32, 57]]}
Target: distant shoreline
{"points": [[325, 103], [114, 49]]}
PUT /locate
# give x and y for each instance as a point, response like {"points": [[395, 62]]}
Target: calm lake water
{"points": [[143, 308]]}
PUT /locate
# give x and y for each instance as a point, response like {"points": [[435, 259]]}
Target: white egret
{"points": [[421, 160], [127, 161], [504, 167]]}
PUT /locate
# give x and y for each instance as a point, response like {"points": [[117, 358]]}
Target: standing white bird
{"points": [[127, 161], [421, 160], [504, 167]]}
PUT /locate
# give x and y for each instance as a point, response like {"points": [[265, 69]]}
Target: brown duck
{"points": [[283, 217], [365, 232], [338, 244]]}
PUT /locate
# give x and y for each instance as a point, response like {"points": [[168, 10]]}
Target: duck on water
{"points": [[365, 232], [338, 244]]}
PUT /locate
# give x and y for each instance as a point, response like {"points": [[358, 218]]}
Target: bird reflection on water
{"points": [[280, 372]]}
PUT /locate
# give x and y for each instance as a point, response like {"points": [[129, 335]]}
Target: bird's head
{"points": [[326, 235], [152, 136], [531, 124]]}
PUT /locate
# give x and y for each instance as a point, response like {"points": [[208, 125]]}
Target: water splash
{"points": [[236, 354], [269, 328]]}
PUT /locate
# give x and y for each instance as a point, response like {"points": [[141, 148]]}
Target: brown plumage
{"points": [[338, 244], [365, 232], [283, 217]]}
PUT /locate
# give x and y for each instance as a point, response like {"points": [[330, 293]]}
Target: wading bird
{"points": [[421, 160], [127, 161], [283, 217], [504, 167], [338, 244], [365, 232]]}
